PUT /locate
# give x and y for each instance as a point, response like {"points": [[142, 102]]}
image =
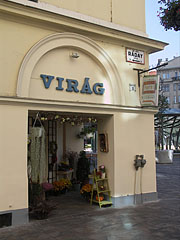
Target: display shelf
{"points": [[103, 202], [101, 179], [97, 192], [104, 191]]}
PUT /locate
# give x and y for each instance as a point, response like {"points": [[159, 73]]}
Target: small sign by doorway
{"points": [[132, 87]]}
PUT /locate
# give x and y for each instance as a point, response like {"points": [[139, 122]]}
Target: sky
{"points": [[156, 31]]}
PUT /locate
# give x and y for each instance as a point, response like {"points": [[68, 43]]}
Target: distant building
{"points": [[170, 81]]}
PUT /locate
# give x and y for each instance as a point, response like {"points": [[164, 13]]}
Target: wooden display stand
{"points": [[100, 190]]}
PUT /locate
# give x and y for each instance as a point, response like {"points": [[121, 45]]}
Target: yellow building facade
{"points": [[70, 57]]}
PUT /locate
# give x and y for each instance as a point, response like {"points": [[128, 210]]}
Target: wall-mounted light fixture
{"points": [[74, 55], [33, 0]]}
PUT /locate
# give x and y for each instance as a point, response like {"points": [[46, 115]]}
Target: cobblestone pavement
{"points": [[75, 219]]}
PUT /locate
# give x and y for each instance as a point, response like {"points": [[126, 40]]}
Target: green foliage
{"points": [[162, 103], [169, 14], [87, 130]]}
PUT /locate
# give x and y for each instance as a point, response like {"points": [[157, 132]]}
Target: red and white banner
{"points": [[150, 91]]}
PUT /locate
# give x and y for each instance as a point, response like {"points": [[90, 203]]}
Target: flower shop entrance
{"points": [[56, 142]]}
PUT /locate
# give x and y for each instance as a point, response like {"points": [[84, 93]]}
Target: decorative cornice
{"points": [[100, 108]]}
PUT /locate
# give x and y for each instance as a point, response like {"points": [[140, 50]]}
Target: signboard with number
{"points": [[135, 56], [150, 91]]}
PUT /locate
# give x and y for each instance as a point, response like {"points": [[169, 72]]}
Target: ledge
{"points": [[76, 105]]}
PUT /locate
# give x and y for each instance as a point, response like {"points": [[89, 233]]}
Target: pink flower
{"points": [[47, 186]]}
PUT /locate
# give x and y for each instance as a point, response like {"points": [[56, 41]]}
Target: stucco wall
{"points": [[127, 13], [134, 135], [13, 158], [16, 41], [15, 32], [129, 134]]}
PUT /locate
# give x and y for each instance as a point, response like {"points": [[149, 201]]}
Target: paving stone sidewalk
{"points": [[75, 219]]}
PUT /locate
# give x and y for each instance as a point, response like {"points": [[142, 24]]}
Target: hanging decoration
{"points": [[38, 158], [71, 119]]}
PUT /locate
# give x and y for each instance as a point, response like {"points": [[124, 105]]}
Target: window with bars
{"points": [[166, 87]]}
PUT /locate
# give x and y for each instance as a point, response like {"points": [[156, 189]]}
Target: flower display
{"points": [[62, 184], [47, 186], [86, 191], [86, 188], [98, 174], [102, 168], [101, 198]]}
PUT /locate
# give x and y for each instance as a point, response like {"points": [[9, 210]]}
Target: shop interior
{"points": [[62, 154]]}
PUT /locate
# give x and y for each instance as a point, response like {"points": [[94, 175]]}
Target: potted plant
{"points": [[71, 156], [86, 191], [87, 131], [61, 186], [103, 171]]}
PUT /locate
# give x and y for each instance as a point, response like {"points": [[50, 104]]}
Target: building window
{"points": [[167, 76], [164, 76], [175, 86], [179, 99], [166, 87], [179, 86], [176, 74], [168, 100], [175, 99]]}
